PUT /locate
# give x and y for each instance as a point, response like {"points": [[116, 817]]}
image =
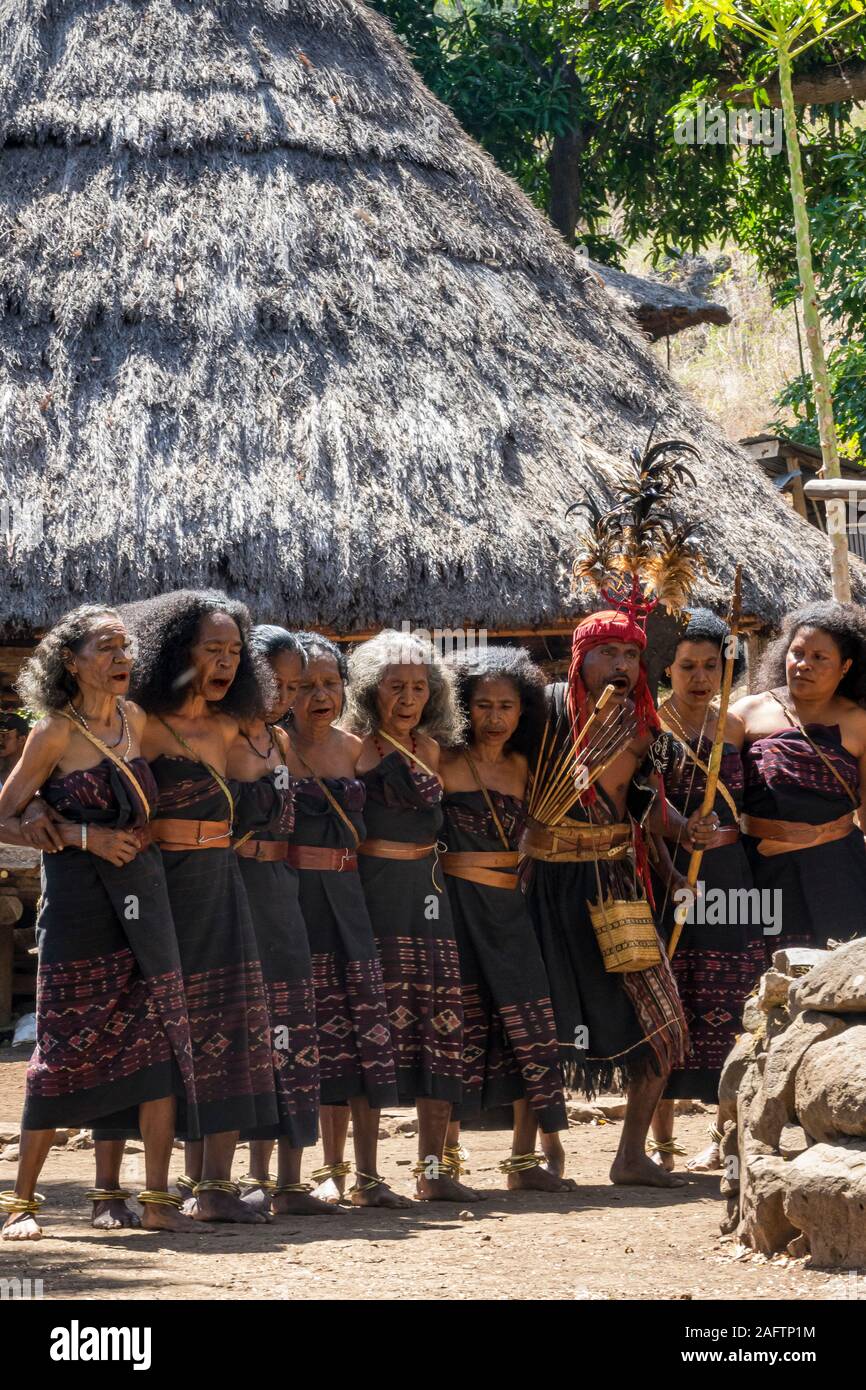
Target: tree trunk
{"points": [[564, 169], [563, 166], [836, 526]]}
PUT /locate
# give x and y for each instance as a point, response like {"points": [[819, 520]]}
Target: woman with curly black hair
{"points": [[805, 777], [510, 1048], [196, 679], [721, 955], [401, 705], [113, 1038]]}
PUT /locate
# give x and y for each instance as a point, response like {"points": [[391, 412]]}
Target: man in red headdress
{"points": [[625, 1028]]}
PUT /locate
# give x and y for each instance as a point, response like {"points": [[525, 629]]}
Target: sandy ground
{"points": [[598, 1243]]}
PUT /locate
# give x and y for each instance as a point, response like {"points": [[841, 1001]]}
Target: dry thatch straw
{"points": [[271, 322]]}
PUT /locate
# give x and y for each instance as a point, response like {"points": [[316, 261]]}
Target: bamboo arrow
{"points": [[715, 762]]}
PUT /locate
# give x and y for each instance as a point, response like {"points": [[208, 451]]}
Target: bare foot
{"points": [[378, 1196], [114, 1215], [304, 1204], [666, 1161], [156, 1217], [21, 1225], [709, 1160], [214, 1205], [446, 1189], [257, 1199], [539, 1180], [554, 1155], [332, 1190], [643, 1172]]}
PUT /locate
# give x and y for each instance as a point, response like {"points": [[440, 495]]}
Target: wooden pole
{"points": [[715, 762]]}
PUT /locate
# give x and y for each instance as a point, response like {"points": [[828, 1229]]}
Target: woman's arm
{"points": [[45, 746]]}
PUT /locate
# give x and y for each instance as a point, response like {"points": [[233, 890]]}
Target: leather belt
{"points": [[395, 849], [265, 851], [574, 843], [482, 867], [785, 836], [338, 861], [191, 834]]}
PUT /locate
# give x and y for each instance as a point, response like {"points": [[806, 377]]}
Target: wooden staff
{"points": [[715, 762]]}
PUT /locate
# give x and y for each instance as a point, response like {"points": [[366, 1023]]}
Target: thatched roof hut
{"points": [[658, 307], [271, 321]]}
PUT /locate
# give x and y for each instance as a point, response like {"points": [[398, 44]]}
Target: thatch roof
{"points": [[271, 321], [657, 306]]}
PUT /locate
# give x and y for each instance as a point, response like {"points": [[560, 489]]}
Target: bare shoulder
{"points": [[229, 728], [52, 734], [352, 742], [748, 705], [136, 716], [429, 750], [519, 761], [735, 729]]}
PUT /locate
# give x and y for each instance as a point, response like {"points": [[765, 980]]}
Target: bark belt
{"points": [[482, 867], [266, 851], [338, 861], [395, 849], [575, 844], [191, 834], [785, 836]]}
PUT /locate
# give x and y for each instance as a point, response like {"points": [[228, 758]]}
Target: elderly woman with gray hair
{"points": [[401, 704]]}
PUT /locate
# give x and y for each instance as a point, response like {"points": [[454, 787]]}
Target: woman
{"points": [[355, 1057], [196, 680], [510, 1049], [721, 954], [805, 766], [261, 753], [113, 1040], [401, 700]]}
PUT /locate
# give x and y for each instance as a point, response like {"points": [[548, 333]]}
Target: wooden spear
{"points": [[715, 762]]}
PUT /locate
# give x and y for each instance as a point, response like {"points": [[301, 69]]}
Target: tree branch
{"points": [[838, 82]]}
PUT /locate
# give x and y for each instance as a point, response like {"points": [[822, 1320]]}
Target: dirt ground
{"points": [[598, 1243]]}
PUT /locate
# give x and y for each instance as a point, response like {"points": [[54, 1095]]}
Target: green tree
{"points": [[787, 29]]}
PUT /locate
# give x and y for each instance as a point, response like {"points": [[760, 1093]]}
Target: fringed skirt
{"points": [[612, 1029]]}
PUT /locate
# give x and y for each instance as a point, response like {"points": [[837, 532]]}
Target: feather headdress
{"points": [[635, 553]]}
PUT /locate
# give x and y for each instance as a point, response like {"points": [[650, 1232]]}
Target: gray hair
{"points": [[368, 662]]}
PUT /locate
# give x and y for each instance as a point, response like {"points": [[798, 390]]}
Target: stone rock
{"points": [[793, 1141], [728, 1223], [611, 1107], [778, 1019], [406, 1127], [753, 1015], [581, 1113], [775, 1107], [826, 1197], [830, 1087], [773, 990], [799, 1246], [795, 960], [764, 1224], [837, 984], [734, 1067], [60, 1140], [10, 1153], [689, 1107], [10, 1134], [729, 1185], [83, 1140]]}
